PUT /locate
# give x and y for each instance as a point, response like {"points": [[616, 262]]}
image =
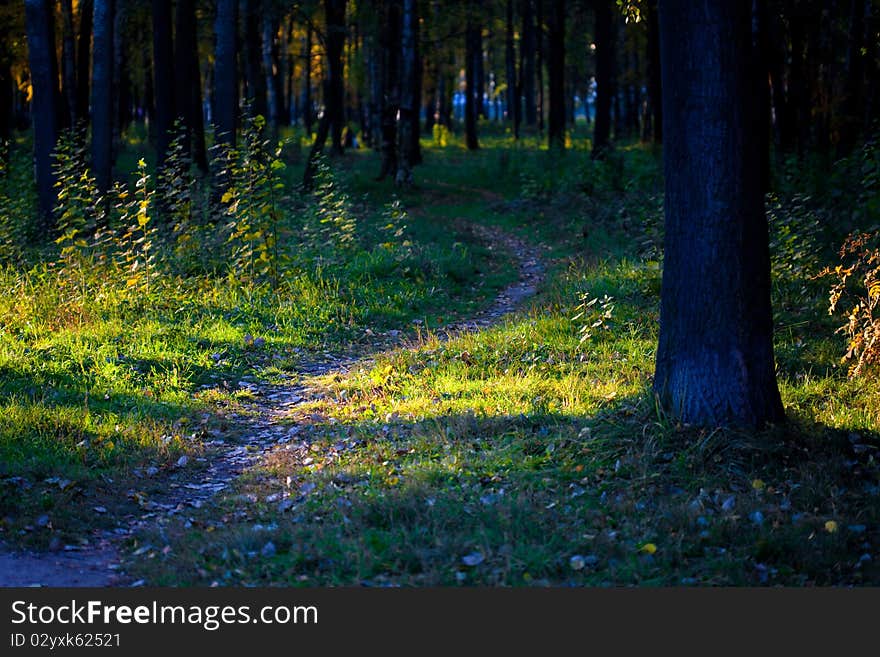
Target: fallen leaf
{"points": [[473, 559]]}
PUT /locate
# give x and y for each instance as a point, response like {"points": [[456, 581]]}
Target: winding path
{"points": [[98, 563]]}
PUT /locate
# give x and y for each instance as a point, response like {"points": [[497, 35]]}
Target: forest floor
{"points": [[259, 432], [512, 441]]}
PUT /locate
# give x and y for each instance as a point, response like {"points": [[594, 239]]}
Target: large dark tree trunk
{"points": [[472, 49], [527, 68], [513, 110], [605, 87], [334, 84], [83, 58], [102, 95], [715, 354], [39, 20], [225, 71], [479, 67], [556, 73], [188, 88], [163, 69]]}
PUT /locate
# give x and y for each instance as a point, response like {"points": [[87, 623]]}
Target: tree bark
{"points": [[605, 57], [334, 84], [188, 88], [527, 69], [39, 22], [655, 87], [83, 58], [513, 110], [68, 64], [163, 70], [556, 74], [408, 102], [255, 80], [472, 47], [307, 114], [274, 93], [226, 72], [102, 95], [715, 355]]}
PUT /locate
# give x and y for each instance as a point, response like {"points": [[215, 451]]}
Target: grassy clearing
{"points": [[104, 386], [522, 455]]}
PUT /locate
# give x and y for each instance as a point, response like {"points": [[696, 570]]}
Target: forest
{"points": [[383, 293]]}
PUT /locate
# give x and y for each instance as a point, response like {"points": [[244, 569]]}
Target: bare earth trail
{"points": [[97, 564]]}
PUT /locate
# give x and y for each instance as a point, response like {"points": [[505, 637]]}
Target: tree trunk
{"points": [[274, 95], [472, 44], [188, 88], [102, 95], [307, 115], [556, 73], [539, 63], [334, 97], [226, 72], [513, 110], [39, 20], [68, 64], [777, 54], [853, 102], [255, 80], [83, 58], [715, 354], [605, 57], [163, 69], [479, 69], [655, 88], [408, 103], [527, 68]]}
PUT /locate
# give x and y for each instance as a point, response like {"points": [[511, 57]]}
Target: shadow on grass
{"points": [[619, 498]]}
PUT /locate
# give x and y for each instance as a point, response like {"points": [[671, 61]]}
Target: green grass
{"points": [[100, 382], [520, 455]]}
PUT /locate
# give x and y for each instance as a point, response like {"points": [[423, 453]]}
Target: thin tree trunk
{"points": [[556, 73], [188, 88], [39, 21], [226, 72], [472, 48], [539, 63], [68, 64], [307, 114], [527, 69], [513, 110], [408, 102], [655, 87], [163, 69], [102, 95], [605, 55], [83, 58], [270, 69], [715, 355], [255, 80], [334, 97]]}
